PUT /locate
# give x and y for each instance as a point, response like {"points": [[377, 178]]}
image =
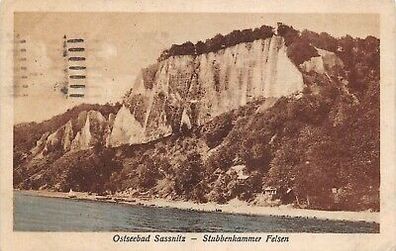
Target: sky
{"points": [[119, 45]]}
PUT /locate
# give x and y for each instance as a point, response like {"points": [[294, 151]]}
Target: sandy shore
{"points": [[234, 207]]}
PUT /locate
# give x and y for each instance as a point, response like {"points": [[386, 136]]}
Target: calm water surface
{"points": [[33, 213]]}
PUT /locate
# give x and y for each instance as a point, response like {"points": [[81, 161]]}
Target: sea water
{"points": [[34, 213]]}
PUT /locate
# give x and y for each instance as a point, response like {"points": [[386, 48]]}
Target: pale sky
{"points": [[120, 44]]}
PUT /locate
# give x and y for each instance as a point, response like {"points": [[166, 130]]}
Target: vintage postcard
{"points": [[229, 125]]}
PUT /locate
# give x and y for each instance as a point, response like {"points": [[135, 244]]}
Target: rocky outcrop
{"points": [[83, 138], [323, 63], [182, 92], [126, 129], [192, 89], [87, 130], [40, 144], [108, 129], [186, 91], [67, 136]]}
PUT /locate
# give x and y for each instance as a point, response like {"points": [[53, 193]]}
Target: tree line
{"points": [[218, 42]]}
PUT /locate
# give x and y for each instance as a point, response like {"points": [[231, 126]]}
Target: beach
{"points": [[232, 207]]}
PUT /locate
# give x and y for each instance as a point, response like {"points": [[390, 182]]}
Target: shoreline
{"points": [[232, 207]]}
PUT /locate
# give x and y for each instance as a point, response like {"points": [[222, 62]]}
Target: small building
{"points": [[270, 191]]}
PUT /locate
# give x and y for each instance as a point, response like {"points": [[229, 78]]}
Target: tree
{"points": [[263, 32], [288, 33], [300, 51], [189, 174], [147, 175], [200, 47], [216, 43], [233, 38]]}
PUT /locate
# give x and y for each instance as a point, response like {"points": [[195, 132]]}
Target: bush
{"points": [[300, 51], [216, 130], [288, 33], [189, 174], [186, 48]]}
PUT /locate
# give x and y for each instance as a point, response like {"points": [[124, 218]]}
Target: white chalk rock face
{"points": [[83, 137], [183, 92], [126, 129], [89, 129], [185, 120], [60, 140], [92, 132], [322, 63], [67, 136], [40, 145], [108, 129], [190, 90], [76, 145]]}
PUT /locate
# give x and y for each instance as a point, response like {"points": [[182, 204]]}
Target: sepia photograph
{"points": [[196, 122]]}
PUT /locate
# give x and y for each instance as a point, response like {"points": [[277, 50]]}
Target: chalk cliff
{"points": [[186, 91], [296, 111], [126, 129], [87, 130], [192, 89], [326, 61]]}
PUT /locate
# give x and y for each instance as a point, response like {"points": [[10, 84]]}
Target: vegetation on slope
{"points": [[27, 134], [310, 145], [322, 145]]}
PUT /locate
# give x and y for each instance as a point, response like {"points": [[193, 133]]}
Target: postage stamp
{"points": [[222, 125]]}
